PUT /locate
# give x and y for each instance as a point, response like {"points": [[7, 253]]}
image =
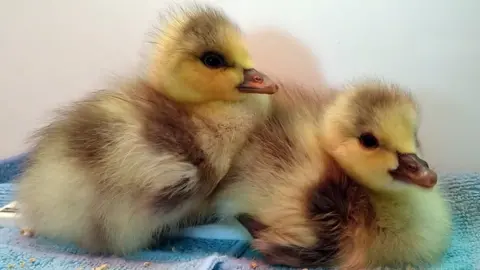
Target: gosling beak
{"points": [[414, 170], [257, 82]]}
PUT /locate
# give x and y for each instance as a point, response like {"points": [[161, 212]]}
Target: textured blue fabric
{"points": [[11, 167], [17, 250], [463, 192], [6, 191]]}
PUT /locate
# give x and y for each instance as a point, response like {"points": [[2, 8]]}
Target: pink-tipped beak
{"points": [[414, 170], [257, 83]]}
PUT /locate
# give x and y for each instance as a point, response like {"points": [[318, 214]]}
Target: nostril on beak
{"points": [[257, 79], [412, 167]]}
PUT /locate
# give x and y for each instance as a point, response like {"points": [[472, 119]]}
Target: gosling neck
{"points": [[397, 190], [252, 106]]}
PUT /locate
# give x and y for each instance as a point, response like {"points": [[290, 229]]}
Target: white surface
{"points": [[8, 219], [232, 230], [54, 51]]}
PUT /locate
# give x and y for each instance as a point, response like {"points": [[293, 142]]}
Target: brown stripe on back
{"points": [[334, 205], [169, 128], [89, 131], [166, 126]]}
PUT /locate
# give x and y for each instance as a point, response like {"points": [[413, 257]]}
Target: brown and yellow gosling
{"points": [[125, 163], [336, 180]]}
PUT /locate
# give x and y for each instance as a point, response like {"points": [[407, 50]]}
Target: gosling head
{"points": [[201, 57], [371, 131]]}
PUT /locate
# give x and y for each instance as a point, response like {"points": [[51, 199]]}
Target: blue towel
{"points": [[204, 254]]}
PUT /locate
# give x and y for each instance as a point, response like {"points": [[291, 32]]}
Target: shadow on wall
{"points": [[282, 56]]}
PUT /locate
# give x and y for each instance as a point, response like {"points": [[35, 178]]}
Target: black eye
{"points": [[213, 60], [368, 140]]}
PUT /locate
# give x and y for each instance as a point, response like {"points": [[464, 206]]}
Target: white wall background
{"points": [[55, 51]]}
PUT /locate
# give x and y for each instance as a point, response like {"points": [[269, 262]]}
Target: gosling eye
{"points": [[213, 60], [368, 140]]}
